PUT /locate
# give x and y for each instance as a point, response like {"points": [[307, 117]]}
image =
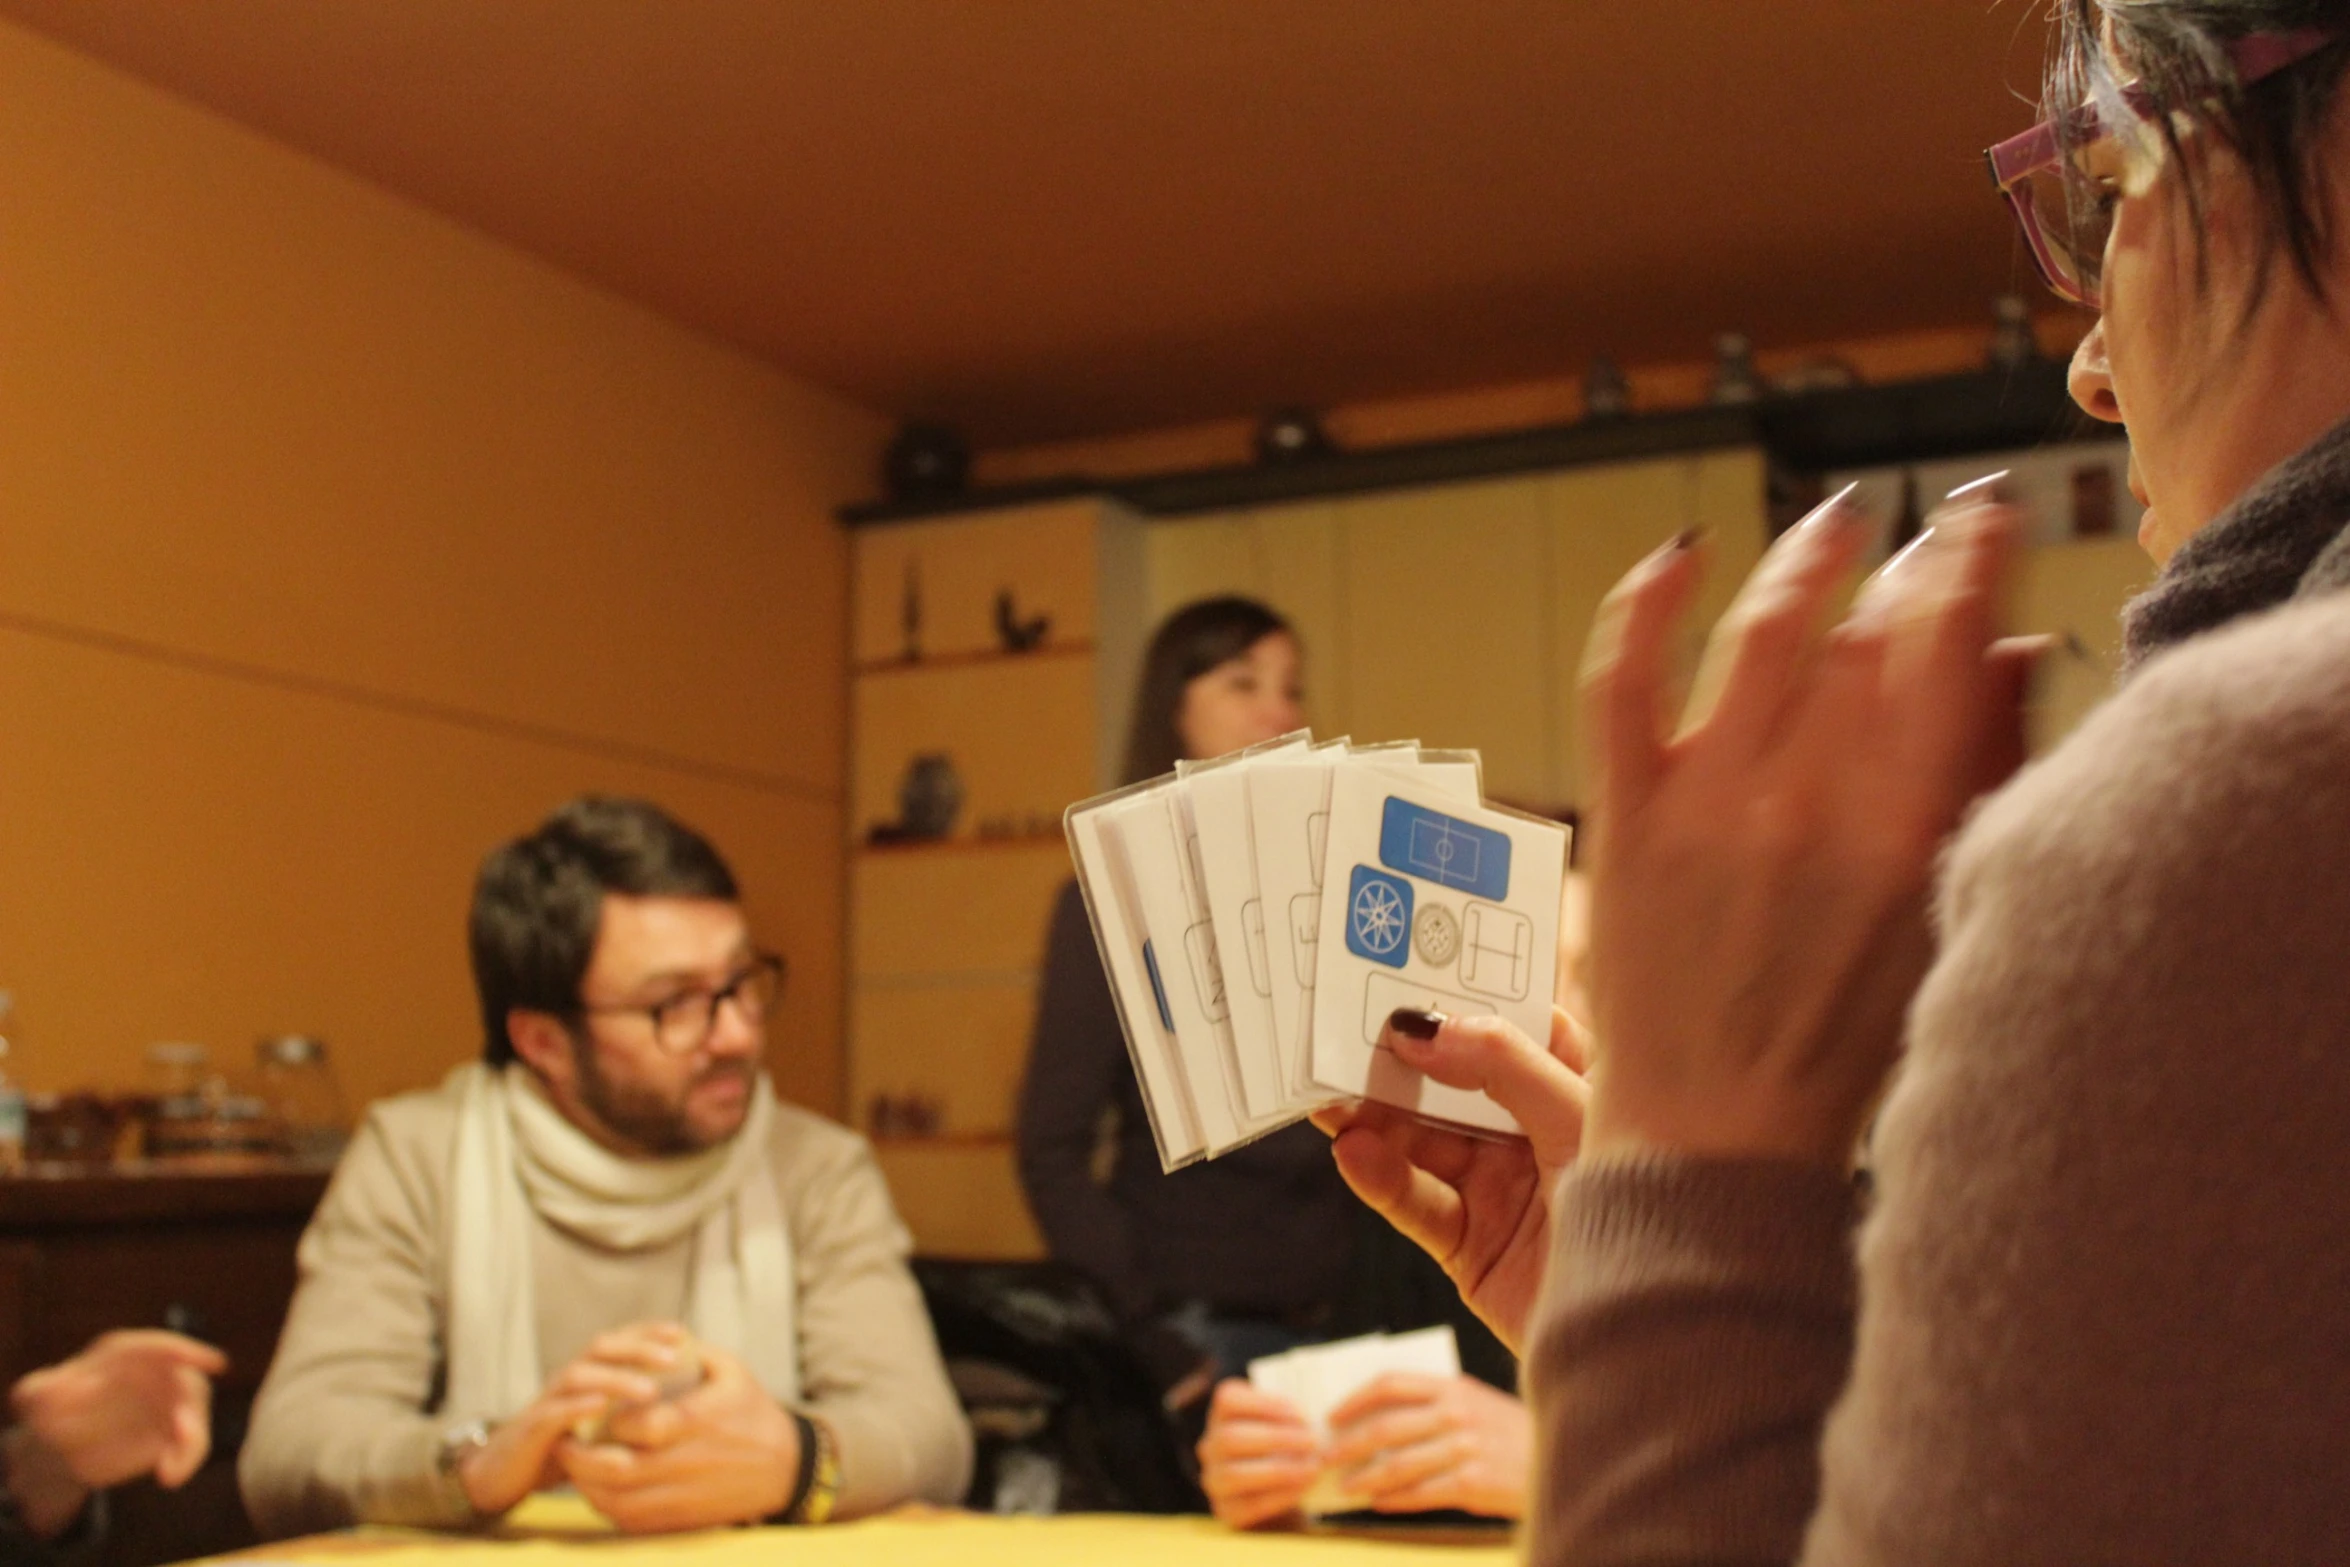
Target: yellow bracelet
{"points": [[823, 1480]]}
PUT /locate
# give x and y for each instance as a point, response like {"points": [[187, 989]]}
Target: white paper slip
{"points": [[1436, 904], [1319, 1378], [1182, 958], [1293, 816], [1113, 904], [1460, 774], [1203, 956], [1289, 808], [1114, 901], [1225, 844]]}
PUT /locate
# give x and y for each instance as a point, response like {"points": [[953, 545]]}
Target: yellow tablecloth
{"points": [[551, 1530]]}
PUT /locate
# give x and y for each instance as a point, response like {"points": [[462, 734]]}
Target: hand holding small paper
{"points": [[1258, 1457], [1412, 1443]]}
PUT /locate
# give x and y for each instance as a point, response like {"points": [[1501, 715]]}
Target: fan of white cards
{"points": [[1260, 916]]}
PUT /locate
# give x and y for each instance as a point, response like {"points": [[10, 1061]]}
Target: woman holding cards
{"points": [[2097, 1311]]}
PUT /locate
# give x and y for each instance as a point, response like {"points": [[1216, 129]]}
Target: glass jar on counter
{"points": [[176, 1067], [176, 1070], [300, 1088], [215, 1127]]}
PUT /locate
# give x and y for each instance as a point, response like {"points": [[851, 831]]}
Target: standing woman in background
{"points": [[1219, 1262]]}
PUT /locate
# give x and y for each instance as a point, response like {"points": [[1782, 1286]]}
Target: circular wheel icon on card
{"points": [[1436, 935], [1378, 917]]}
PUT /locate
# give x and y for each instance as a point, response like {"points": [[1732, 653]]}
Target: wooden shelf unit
{"points": [[938, 661], [947, 934]]}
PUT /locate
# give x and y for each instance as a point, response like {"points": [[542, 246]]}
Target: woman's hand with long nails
{"points": [[1479, 1205], [1760, 872]]}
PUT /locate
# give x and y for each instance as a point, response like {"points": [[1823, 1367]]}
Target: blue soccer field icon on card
{"points": [[1379, 917], [1444, 849]]}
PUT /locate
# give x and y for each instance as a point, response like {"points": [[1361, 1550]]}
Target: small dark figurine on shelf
{"points": [[1017, 635], [1606, 394], [929, 797], [1735, 382], [910, 611]]}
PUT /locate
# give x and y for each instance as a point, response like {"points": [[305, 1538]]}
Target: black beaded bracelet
{"points": [[807, 1475]]}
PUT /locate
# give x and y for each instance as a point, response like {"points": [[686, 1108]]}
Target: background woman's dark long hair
{"points": [[1189, 643]]}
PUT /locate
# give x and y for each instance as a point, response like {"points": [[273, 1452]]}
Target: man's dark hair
{"points": [[2177, 51], [538, 901]]}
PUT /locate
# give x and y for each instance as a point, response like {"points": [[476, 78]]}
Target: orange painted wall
{"points": [[338, 542]]}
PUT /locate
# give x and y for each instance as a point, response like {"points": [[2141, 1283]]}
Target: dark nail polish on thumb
{"points": [[1415, 1022]]}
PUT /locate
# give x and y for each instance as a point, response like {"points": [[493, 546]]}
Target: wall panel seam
{"points": [[349, 693]]}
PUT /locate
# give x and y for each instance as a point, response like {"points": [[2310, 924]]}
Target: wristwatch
{"points": [[459, 1443]]}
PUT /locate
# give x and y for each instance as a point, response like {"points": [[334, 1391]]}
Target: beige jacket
{"points": [[344, 1430]]}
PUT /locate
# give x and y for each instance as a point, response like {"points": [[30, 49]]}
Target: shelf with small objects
{"points": [[980, 647]]}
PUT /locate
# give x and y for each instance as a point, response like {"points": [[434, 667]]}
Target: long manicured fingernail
{"points": [[1835, 508], [1671, 550], [1992, 489], [1874, 601], [1903, 557], [1415, 1022]]}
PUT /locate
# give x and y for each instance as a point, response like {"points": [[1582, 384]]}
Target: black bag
{"points": [[1065, 1418]]}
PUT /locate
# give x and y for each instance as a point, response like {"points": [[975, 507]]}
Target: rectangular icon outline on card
{"points": [[1444, 849], [1305, 935], [1383, 993], [1252, 941], [1207, 970], [1497, 951]]}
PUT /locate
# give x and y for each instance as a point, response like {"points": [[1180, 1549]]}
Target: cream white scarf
{"points": [[516, 1156]]}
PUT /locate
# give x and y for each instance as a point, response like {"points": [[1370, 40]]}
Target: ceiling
{"points": [[1042, 219]]}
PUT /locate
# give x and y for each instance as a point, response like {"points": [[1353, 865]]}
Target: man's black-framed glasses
{"points": [[685, 1021]]}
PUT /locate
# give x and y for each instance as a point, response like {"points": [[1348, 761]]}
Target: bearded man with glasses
{"points": [[606, 1255]]}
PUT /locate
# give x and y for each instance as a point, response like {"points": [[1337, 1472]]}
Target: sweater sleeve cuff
{"points": [[412, 1490], [1775, 1229]]}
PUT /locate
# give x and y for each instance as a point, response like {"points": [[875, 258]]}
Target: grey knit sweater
{"points": [[2103, 1297]]}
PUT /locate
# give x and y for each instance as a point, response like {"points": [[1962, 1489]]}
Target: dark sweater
{"points": [[2102, 1298], [1261, 1232]]}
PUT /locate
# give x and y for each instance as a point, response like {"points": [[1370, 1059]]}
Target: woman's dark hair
{"points": [[2177, 50], [539, 901], [1189, 643]]}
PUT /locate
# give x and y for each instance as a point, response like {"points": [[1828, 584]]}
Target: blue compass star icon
{"points": [[1379, 917]]}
